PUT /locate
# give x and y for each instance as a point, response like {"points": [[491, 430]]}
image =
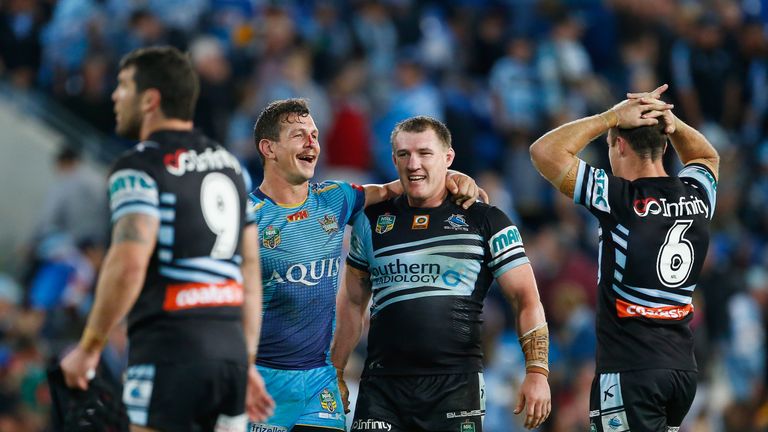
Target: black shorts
{"points": [[435, 403], [650, 400], [189, 396]]}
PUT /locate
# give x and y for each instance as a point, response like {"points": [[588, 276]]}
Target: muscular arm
{"points": [[122, 275], [519, 286], [534, 396], [554, 154], [252, 290], [351, 303], [692, 146]]}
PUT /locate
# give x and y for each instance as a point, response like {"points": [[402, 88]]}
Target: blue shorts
{"points": [[302, 398]]}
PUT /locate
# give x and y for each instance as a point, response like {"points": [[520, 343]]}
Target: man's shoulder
{"points": [[143, 154]]}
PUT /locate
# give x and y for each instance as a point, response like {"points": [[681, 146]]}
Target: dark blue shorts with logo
{"points": [[454, 402], [649, 400]]}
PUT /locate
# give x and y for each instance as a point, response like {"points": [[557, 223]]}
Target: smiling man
{"points": [[301, 232], [428, 263]]}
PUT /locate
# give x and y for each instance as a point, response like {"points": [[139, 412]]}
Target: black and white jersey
{"points": [[191, 303], [430, 269], [654, 234]]}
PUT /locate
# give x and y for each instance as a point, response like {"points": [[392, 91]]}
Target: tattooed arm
{"points": [[122, 276]]}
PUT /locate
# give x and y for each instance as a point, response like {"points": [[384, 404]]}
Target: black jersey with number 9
{"points": [[191, 302]]}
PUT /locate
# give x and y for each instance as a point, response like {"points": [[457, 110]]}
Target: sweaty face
{"points": [[422, 163], [128, 116], [298, 149]]}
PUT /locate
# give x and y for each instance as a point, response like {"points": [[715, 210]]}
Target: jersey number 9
{"points": [[221, 209]]}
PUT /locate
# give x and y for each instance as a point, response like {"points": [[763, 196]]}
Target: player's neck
{"points": [[152, 125], [281, 191], [431, 202], [645, 168]]}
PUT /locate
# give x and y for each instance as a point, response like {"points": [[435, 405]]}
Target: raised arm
{"points": [[554, 154], [691, 146], [120, 282], [351, 303], [519, 286], [258, 402]]}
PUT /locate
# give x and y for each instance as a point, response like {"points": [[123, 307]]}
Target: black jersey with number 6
{"points": [[654, 234], [190, 306]]}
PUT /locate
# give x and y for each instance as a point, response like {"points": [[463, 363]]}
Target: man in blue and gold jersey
{"points": [[428, 263], [301, 228], [654, 234]]}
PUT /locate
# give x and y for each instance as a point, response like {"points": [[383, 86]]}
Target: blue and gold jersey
{"points": [[300, 264], [430, 270]]}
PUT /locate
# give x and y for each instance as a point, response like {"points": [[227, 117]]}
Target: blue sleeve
{"points": [[354, 196], [504, 243], [360, 246], [704, 177], [599, 192], [132, 189]]}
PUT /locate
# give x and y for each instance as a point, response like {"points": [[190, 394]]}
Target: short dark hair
{"points": [[170, 71], [420, 124], [647, 141], [268, 124]]}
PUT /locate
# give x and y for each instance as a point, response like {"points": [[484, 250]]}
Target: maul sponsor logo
{"points": [[683, 207], [184, 161], [371, 425], [309, 274]]}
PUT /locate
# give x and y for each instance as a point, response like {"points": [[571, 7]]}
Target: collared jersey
{"points": [[191, 303], [300, 250], [654, 234], [430, 270]]}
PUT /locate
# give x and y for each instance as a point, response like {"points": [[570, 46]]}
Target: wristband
{"points": [[610, 118], [535, 344], [92, 341]]}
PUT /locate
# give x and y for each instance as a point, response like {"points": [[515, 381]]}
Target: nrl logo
{"points": [[329, 223], [327, 401], [385, 223], [270, 237]]}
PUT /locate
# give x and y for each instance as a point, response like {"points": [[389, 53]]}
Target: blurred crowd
{"points": [[499, 73]]}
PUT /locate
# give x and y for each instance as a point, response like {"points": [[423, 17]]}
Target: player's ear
{"points": [[449, 156], [150, 100], [266, 148], [622, 145]]}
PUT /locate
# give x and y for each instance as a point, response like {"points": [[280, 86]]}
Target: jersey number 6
{"points": [[675, 259], [221, 209]]}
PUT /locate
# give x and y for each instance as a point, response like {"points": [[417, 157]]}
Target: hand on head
{"points": [[644, 109]]}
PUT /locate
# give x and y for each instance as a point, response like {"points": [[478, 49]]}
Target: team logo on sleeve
{"points": [[327, 401], [270, 237], [329, 223], [385, 223], [467, 426], [457, 222], [420, 222]]}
